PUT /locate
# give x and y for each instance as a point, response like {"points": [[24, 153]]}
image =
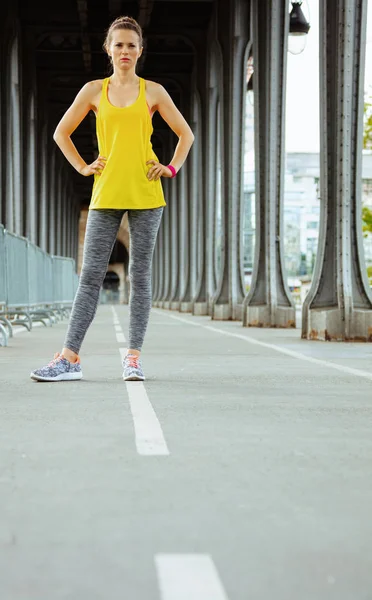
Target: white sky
{"points": [[303, 85]]}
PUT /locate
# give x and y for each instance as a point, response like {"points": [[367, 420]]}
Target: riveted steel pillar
{"points": [[197, 199], [173, 243], [188, 239], [67, 193], [59, 211], [16, 138], [71, 240], [269, 303], [52, 202], [160, 275], [43, 190], [31, 182], [167, 246], [183, 239], [75, 236], [338, 305], [156, 266], [205, 155], [189, 221], [63, 219], [233, 36], [174, 303]]}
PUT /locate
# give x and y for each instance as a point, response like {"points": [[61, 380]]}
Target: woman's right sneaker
{"points": [[132, 368], [59, 369]]}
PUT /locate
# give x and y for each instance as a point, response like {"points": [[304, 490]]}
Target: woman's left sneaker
{"points": [[132, 368], [59, 369]]}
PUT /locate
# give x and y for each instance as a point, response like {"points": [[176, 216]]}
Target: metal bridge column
{"points": [[338, 305], [269, 303]]}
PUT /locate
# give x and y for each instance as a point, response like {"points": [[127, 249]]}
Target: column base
{"points": [[260, 316], [166, 305], [200, 309], [225, 312], [185, 307], [328, 325], [175, 305]]}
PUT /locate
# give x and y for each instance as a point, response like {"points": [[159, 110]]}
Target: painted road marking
{"points": [[115, 316], [188, 577], [120, 337], [149, 435], [298, 355]]}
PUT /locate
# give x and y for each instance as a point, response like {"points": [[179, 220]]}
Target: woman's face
{"points": [[124, 49]]}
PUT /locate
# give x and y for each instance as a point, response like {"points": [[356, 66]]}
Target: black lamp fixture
{"points": [[298, 28]]}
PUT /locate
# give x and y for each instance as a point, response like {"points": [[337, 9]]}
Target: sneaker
{"points": [[132, 368], [59, 369]]}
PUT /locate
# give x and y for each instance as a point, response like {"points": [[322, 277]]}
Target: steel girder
{"points": [[268, 303], [338, 305]]}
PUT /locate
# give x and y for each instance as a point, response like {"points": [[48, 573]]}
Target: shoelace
{"points": [[56, 358], [132, 360]]}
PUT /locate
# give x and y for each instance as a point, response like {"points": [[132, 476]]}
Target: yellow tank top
{"points": [[124, 139]]}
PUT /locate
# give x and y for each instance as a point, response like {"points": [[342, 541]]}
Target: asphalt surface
{"points": [[240, 470]]}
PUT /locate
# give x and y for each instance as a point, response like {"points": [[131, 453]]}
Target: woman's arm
{"points": [[70, 121], [172, 116]]}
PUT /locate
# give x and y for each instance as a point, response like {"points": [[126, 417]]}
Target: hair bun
{"points": [[122, 19]]}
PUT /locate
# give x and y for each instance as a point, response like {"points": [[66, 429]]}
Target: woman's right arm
{"points": [[70, 121]]}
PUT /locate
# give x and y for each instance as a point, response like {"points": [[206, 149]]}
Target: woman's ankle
{"points": [[133, 352], [70, 355]]}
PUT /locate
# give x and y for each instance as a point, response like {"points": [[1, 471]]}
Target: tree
{"points": [[367, 220], [367, 145], [367, 133]]}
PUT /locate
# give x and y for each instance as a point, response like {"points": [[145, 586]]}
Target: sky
{"points": [[302, 105]]}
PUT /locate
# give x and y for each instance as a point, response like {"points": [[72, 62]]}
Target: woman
{"points": [[126, 178]]}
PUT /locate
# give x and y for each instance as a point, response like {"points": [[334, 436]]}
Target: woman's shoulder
{"points": [[92, 91], [152, 85], [95, 85], [153, 92]]}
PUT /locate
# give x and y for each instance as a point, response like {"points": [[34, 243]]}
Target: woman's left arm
{"points": [[172, 116]]}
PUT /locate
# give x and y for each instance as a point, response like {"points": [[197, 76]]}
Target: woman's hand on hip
{"points": [[95, 168], [157, 170]]}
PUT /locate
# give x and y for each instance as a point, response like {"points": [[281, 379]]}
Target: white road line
{"points": [[120, 337], [297, 355], [150, 440], [115, 316], [188, 577]]}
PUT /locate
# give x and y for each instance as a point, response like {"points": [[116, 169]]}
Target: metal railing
{"points": [[34, 285]]}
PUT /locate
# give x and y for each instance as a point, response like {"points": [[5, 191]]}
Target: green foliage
{"points": [[367, 133], [367, 220]]}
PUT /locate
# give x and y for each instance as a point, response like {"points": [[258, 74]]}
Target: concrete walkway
{"points": [[240, 470]]}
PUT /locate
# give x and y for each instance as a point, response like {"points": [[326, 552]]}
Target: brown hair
{"points": [[122, 23]]}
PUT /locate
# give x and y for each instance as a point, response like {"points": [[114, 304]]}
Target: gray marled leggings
{"points": [[100, 236]]}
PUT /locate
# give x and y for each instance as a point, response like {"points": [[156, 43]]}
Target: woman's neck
{"points": [[126, 78]]}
